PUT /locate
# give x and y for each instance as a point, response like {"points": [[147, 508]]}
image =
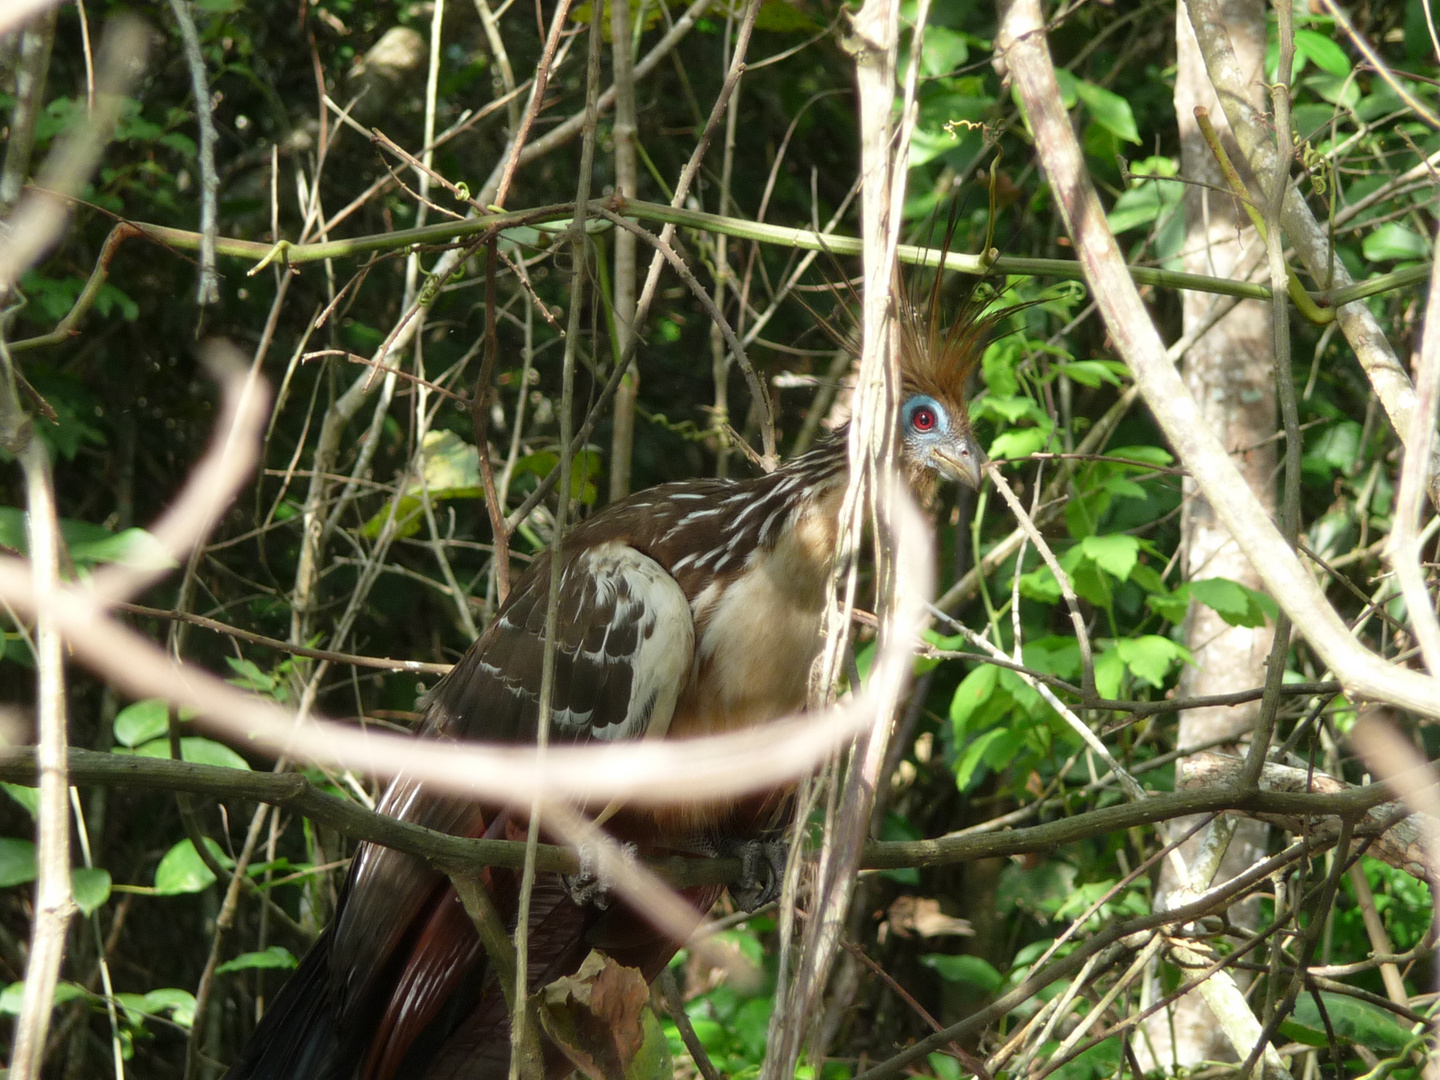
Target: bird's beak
{"points": [[964, 462]]}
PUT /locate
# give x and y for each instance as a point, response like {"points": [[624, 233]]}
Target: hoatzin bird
{"points": [[686, 609]]}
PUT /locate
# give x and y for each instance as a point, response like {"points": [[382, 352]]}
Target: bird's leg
{"points": [[591, 884], [762, 866]]}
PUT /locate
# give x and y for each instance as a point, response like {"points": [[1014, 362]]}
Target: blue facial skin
{"points": [[925, 423], [934, 443]]}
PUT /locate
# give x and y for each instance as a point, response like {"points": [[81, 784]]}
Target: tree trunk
{"points": [[1230, 374]]}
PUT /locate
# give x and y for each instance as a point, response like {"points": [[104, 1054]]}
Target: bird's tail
{"points": [[297, 1036]]}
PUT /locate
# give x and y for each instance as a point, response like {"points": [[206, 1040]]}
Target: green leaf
{"points": [[91, 888], [974, 756], [942, 51], [132, 547], [1149, 657], [1054, 655], [181, 870], [1151, 455], [1170, 606], [974, 690], [17, 861], [1110, 110], [90, 544], [1109, 672], [1354, 1021], [1069, 87], [1395, 241], [1123, 488], [180, 1004], [1323, 52], [11, 995], [1040, 584], [782, 17], [1151, 196], [28, 797], [965, 969], [997, 368], [193, 749], [1116, 554], [142, 721], [1019, 443], [1233, 602], [276, 956], [1092, 373]]}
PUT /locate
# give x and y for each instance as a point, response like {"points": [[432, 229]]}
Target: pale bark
{"points": [[1229, 372]]}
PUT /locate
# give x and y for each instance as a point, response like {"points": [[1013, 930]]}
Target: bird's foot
{"points": [[590, 886], [762, 870]]}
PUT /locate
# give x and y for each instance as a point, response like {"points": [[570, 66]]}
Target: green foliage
{"points": [[276, 957], [181, 870], [984, 749]]}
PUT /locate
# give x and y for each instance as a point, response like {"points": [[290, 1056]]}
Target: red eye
{"points": [[923, 418]]}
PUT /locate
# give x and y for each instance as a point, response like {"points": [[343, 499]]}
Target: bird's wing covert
{"points": [[625, 645]]}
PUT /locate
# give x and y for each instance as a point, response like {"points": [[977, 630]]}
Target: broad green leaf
{"points": [[1151, 455], [942, 51], [1170, 606], [1110, 110], [974, 756], [1109, 672], [1091, 373], [965, 969], [1010, 409], [1123, 487], [448, 462], [1116, 554], [28, 797], [1097, 1063], [142, 721], [1040, 584], [1335, 448], [12, 529], [782, 17], [1149, 656], [250, 677], [208, 752], [181, 870], [1353, 1020], [11, 995], [132, 547], [1053, 655], [1395, 241], [1019, 443], [997, 368], [180, 1004], [1323, 52], [1142, 204], [90, 544], [1069, 87], [17, 861], [974, 690], [276, 956], [90, 888], [193, 749], [1232, 601]]}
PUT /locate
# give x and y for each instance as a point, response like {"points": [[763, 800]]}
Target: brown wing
{"points": [[405, 962]]}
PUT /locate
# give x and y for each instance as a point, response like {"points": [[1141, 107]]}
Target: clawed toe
{"points": [[762, 871], [590, 886]]}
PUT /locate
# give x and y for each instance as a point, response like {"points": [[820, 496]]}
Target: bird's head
{"points": [[937, 355]]}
